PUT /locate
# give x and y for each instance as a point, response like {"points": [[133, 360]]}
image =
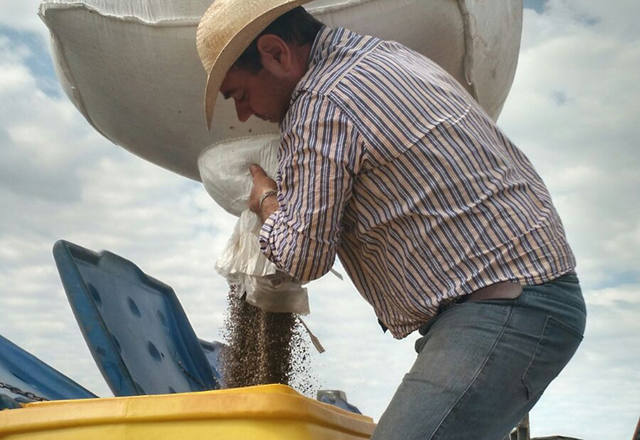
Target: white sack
{"points": [[253, 277], [224, 169], [226, 177], [242, 255], [132, 69], [278, 293]]}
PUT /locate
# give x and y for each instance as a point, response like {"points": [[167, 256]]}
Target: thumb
{"points": [[255, 170]]}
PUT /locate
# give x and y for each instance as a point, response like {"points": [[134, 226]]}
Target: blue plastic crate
{"points": [[133, 324]]}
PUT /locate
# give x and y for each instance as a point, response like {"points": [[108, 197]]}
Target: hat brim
{"points": [[250, 20]]}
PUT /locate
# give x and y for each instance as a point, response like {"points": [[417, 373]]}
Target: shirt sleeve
{"points": [[318, 160]]}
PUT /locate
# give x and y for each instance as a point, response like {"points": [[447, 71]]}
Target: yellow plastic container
{"points": [[267, 412]]}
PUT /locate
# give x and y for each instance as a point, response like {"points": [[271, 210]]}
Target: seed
{"points": [[265, 348]]}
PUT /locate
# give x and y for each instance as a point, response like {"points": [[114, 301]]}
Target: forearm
{"points": [[294, 249], [317, 158]]}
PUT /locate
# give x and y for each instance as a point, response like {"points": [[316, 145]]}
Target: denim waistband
{"points": [[569, 277]]}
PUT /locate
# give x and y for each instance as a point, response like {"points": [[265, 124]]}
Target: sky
{"points": [[573, 109]]}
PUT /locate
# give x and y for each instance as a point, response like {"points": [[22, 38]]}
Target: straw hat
{"points": [[225, 30]]}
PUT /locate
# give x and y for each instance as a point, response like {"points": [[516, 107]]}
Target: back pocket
{"points": [[556, 346]]}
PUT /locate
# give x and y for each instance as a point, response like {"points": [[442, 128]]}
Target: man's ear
{"points": [[275, 54]]}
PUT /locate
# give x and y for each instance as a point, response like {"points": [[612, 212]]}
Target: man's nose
{"points": [[243, 110]]}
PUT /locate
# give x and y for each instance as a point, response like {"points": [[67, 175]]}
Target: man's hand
{"points": [[262, 184]]}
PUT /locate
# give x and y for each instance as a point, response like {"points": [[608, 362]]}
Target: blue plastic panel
{"points": [[133, 324], [22, 370], [337, 398], [213, 352]]}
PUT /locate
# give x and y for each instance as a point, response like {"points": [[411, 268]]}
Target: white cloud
{"points": [[596, 396], [573, 110], [60, 179], [583, 144], [22, 15]]}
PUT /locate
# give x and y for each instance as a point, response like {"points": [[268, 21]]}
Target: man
{"points": [[440, 221]]}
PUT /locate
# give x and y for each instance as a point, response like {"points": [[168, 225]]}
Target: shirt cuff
{"points": [[265, 237]]}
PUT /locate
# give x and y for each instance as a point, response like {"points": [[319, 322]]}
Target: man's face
{"points": [[260, 94]]}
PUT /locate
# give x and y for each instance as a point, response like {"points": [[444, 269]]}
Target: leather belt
{"points": [[503, 290]]}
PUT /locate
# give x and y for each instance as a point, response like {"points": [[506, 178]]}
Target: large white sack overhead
{"points": [[132, 69]]}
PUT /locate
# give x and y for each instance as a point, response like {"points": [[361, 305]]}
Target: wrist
{"points": [[264, 196], [267, 204]]}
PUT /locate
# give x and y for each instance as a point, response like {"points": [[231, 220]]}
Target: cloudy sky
{"points": [[573, 109]]}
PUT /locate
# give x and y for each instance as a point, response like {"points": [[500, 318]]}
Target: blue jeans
{"points": [[482, 365]]}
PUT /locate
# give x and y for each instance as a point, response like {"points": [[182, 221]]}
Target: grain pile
{"points": [[264, 348]]}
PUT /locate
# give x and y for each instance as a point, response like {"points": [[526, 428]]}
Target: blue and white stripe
{"points": [[387, 162]]}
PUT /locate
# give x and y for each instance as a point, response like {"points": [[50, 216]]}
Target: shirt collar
{"points": [[325, 39], [319, 46]]}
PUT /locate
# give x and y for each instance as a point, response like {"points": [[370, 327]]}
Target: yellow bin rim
{"points": [[251, 403]]}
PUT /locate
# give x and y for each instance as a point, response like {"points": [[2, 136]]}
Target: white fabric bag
{"points": [[224, 170]]}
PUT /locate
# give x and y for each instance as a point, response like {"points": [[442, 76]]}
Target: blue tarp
{"points": [[26, 372]]}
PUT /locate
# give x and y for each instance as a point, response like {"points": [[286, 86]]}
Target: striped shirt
{"points": [[386, 161]]}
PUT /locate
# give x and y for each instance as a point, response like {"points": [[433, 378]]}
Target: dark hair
{"points": [[296, 26]]}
